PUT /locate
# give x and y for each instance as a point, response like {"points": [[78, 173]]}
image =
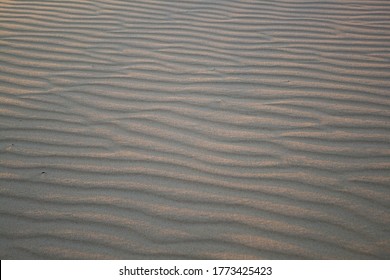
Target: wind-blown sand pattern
{"points": [[195, 129]]}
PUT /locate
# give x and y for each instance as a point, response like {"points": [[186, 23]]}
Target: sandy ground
{"points": [[194, 129]]}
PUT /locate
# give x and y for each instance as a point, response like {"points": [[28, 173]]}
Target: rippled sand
{"points": [[195, 129]]}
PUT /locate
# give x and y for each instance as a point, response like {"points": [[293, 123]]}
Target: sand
{"points": [[194, 129]]}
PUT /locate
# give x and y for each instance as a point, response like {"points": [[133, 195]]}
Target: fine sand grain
{"points": [[195, 129]]}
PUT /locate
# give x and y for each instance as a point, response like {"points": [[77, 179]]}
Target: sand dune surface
{"points": [[194, 129]]}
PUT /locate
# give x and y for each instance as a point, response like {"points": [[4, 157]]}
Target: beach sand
{"points": [[194, 129]]}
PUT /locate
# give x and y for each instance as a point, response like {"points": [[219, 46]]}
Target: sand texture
{"points": [[194, 129]]}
